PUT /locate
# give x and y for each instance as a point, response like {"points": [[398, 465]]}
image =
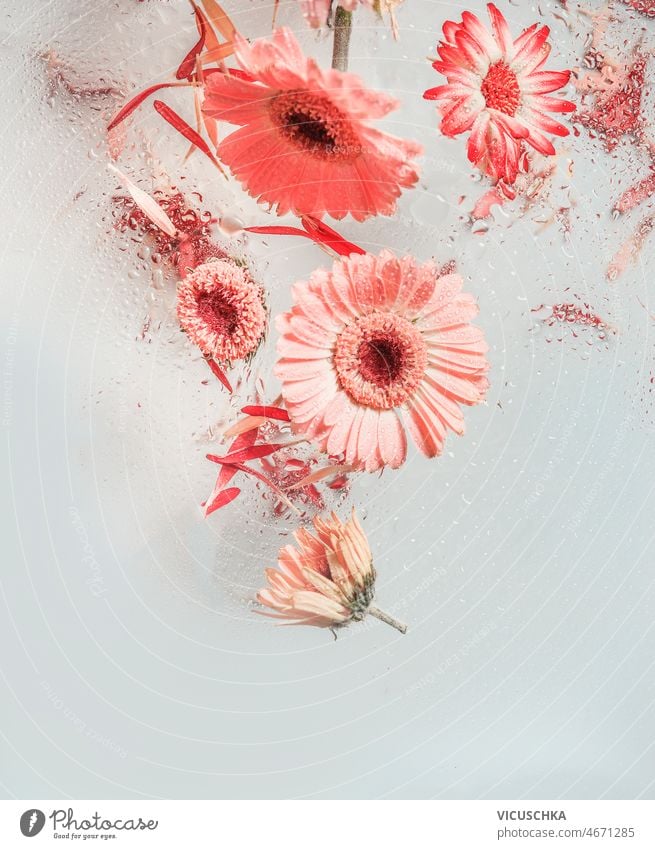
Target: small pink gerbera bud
{"points": [[222, 310], [328, 580]]}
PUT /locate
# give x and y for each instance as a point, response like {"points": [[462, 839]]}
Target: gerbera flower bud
{"points": [[304, 143], [221, 308], [375, 342], [316, 11], [498, 90], [328, 580]]}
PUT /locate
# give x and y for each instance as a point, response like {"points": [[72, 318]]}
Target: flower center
{"points": [[380, 359], [218, 312], [312, 122], [500, 89]]}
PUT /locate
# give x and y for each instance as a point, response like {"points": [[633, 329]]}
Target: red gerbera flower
{"points": [[497, 89], [304, 144]]}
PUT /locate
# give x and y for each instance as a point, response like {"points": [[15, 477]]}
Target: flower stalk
{"points": [[343, 22], [388, 620]]}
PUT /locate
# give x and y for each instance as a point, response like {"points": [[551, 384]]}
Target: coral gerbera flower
{"points": [[221, 308], [373, 343], [304, 144], [328, 580], [498, 90]]}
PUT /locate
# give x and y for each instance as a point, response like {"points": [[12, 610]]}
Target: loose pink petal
{"points": [[149, 206]]}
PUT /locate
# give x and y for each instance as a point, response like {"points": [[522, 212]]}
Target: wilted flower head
{"points": [[327, 580], [221, 308]]}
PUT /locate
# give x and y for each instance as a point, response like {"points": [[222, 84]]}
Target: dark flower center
{"points": [[218, 312], [312, 122], [381, 360], [500, 89]]}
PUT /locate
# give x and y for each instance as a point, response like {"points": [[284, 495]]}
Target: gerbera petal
{"points": [[338, 438], [543, 82], [461, 115], [544, 122], [426, 429], [532, 51], [368, 440], [481, 34], [392, 442], [501, 30], [552, 104], [511, 125]]}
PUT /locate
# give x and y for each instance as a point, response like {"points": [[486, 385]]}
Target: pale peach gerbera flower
{"points": [[498, 90], [304, 145], [373, 343], [328, 580], [221, 309]]}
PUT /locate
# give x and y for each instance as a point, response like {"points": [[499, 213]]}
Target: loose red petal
{"points": [[184, 129], [188, 64], [218, 53], [244, 440], [325, 235], [250, 453], [315, 230], [136, 101], [221, 499], [261, 477], [278, 230], [219, 19], [218, 372], [267, 412]]}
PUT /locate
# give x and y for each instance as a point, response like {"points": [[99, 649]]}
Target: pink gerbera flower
{"points": [[221, 309], [498, 90], [328, 580], [373, 343], [304, 144]]}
